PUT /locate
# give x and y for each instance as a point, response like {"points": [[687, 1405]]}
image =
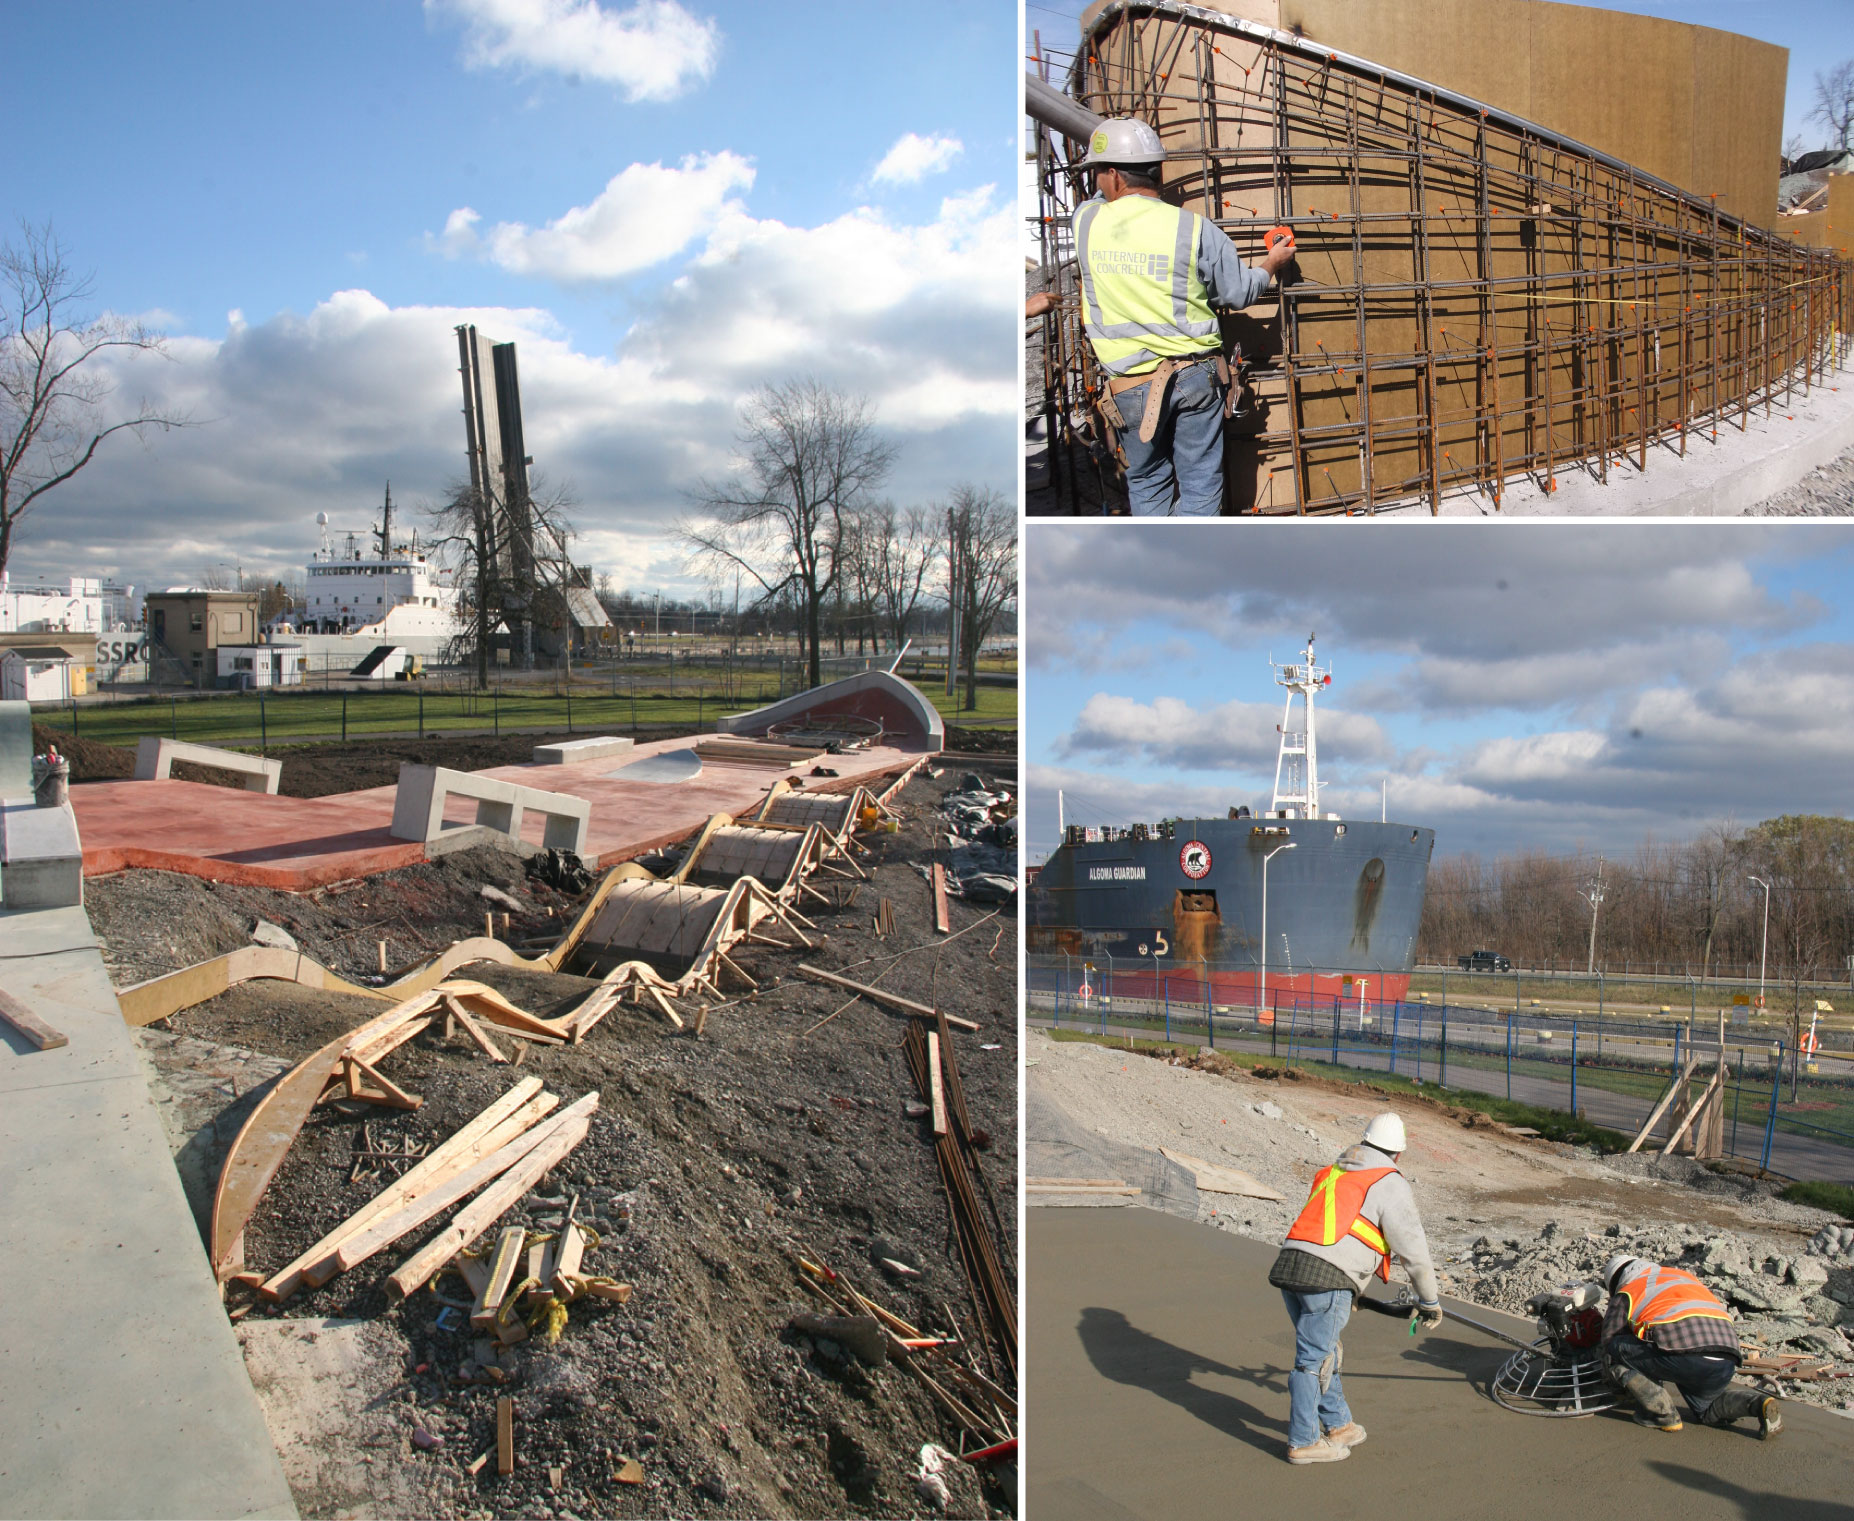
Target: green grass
{"points": [[237, 720], [997, 707], [1494, 990], [1835, 1197]]}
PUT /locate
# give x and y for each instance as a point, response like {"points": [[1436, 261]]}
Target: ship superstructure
{"points": [[1185, 897], [376, 586]]}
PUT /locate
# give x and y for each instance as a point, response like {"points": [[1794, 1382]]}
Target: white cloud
{"points": [[647, 213], [914, 157], [654, 51], [1233, 736], [308, 413]]}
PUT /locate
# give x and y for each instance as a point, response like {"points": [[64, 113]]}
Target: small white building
{"points": [[79, 605], [242, 666], [41, 673]]}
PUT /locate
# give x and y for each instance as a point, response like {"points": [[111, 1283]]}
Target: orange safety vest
{"points": [[1332, 1212], [1664, 1294]]}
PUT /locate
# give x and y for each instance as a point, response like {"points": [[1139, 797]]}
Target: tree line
{"points": [[1698, 906]]}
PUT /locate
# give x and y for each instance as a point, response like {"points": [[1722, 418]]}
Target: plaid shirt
{"points": [[1698, 1333]]}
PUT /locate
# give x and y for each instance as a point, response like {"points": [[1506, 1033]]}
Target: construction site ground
{"points": [[712, 1162], [1506, 1215]]}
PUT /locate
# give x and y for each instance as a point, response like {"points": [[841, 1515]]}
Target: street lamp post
{"points": [[1763, 955], [1262, 1000]]}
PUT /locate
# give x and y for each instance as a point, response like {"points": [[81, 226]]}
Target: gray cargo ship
{"points": [[1303, 903]]}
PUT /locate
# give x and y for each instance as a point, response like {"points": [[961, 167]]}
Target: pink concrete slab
{"points": [[299, 843]]}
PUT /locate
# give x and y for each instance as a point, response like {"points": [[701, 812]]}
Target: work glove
{"points": [[1429, 1316]]}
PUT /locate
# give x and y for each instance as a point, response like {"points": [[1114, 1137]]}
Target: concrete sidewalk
{"points": [[123, 1391], [1157, 1385]]}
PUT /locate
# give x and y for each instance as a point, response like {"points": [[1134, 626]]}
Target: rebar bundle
{"points": [[1476, 298]]}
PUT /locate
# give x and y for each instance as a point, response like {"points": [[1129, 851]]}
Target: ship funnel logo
{"points": [[1194, 860]]}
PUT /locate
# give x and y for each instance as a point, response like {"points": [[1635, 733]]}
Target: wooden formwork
{"points": [[1476, 298]]}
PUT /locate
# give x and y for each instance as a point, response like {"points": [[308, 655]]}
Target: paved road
{"points": [[1156, 1378], [1791, 1155]]}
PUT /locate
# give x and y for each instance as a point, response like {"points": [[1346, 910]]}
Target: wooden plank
{"points": [[1694, 1110], [936, 1092], [882, 995], [572, 1252], [467, 1145], [390, 1093], [1675, 1087], [475, 1031], [475, 1272], [515, 1155], [260, 1146], [30, 1025], [940, 920], [561, 1137], [502, 1267], [505, 1434]]}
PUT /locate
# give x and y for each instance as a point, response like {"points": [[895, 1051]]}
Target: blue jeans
{"points": [[1186, 451], [1317, 1401], [1700, 1378]]}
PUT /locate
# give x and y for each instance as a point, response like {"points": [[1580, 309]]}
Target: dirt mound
{"points": [[981, 741], [153, 922], [90, 761]]}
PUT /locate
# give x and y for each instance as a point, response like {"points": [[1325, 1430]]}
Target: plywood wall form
{"points": [[1477, 299], [1698, 107]]}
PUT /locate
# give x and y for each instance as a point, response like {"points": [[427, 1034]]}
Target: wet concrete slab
{"points": [[299, 843], [1157, 1388]]}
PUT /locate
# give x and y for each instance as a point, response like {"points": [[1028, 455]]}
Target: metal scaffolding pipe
{"points": [[1048, 105]]}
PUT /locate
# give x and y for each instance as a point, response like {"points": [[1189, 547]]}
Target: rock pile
{"points": [[1782, 1304]]}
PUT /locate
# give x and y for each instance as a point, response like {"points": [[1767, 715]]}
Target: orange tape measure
{"points": [[1275, 235]]}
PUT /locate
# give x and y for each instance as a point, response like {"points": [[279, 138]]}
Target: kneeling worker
{"points": [[1361, 1210], [1150, 273], [1663, 1325]]}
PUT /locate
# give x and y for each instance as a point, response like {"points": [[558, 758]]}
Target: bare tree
{"points": [[1834, 102], [810, 458], [984, 550], [52, 390], [1793, 148], [903, 546], [500, 590]]}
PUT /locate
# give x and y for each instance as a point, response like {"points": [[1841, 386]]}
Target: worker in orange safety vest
{"points": [[1664, 1326], [1359, 1213]]}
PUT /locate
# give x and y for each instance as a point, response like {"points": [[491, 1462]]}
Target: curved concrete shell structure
{"points": [[1478, 297]]}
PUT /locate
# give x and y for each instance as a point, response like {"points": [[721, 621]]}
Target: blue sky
{"points": [[663, 204], [1513, 684]]}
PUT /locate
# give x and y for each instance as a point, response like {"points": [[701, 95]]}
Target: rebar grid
{"points": [[1477, 298]]}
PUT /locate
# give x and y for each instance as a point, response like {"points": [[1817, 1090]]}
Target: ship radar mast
{"points": [[1297, 767]]}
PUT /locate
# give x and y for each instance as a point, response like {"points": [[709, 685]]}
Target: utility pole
{"points": [[1763, 955], [1262, 998], [952, 601], [1594, 894]]}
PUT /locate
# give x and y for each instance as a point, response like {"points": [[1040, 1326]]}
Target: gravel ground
{"points": [[1506, 1216], [711, 1161], [1825, 492]]}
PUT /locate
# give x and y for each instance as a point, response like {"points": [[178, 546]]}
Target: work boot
{"points": [[1351, 1434], [1738, 1402], [1654, 1407], [1321, 1450]]}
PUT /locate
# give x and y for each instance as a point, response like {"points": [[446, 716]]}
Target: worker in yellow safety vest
{"points": [[1359, 1214], [1152, 276], [1664, 1326]]}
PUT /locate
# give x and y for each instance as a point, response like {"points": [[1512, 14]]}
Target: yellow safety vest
{"points": [[1142, 298]]}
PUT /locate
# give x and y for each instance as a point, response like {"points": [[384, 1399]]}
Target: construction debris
{"points": [[653, 1252], [22, 1019]]}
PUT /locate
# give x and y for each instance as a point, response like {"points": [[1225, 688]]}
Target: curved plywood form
{"points": [[906, 716]]}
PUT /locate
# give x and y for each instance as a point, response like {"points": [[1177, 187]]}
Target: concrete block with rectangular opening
{"points": [[418, 807]]}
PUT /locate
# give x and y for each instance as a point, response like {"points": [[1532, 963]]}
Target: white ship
{"points": [[374, 587]]}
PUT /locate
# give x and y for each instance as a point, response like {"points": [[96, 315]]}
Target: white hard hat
{"points": [[1613, 1269], [1386, 1133], [1122, 140]]}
